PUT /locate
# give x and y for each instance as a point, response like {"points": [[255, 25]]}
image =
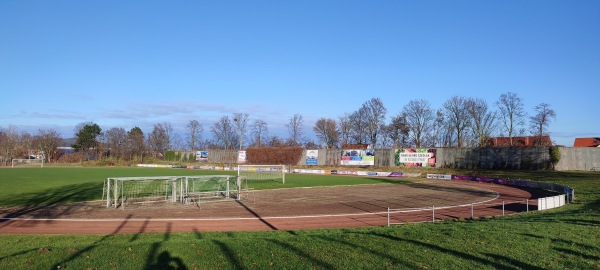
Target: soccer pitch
{"points": [[563, 238]]}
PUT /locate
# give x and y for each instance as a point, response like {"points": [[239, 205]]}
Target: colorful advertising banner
{"points": [[312, 157], [358, 157], [420, 157], [202, 156]]}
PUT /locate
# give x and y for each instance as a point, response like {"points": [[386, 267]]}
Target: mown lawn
{"points": [[564, 238]]}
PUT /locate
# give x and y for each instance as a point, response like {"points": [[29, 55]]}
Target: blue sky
{"points": [[136, 63]]}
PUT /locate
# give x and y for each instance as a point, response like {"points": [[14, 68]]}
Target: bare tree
{"points": [[275, 142], [160, 138], [398, 130], [25, 145], [178, 143], [482, 121], [241, 124], [375, 113], [116, 140], [260, 132], [457, 117], [344, 129], [311, 145], [224, 133], [358, 126], [512, 113], [419, 118], [540, 121], [327, 132], [9, 138], [386, 137], [295, 129], [195, 130], [47, 141]]}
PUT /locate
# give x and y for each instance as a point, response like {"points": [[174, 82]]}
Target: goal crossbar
{"points": [[27, 162], [119, 191], [262, 172]]}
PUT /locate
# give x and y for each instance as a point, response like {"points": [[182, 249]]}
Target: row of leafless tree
{"points": [[460, 122], [15, 144]]}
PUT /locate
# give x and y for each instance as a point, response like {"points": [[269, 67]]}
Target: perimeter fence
{"points": [[485, 209]]}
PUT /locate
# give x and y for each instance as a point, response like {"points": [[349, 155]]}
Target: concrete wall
{"points": [[520, 158]]}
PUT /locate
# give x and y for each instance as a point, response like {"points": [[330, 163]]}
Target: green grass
{"points": [[564, 238], [47, 186]]}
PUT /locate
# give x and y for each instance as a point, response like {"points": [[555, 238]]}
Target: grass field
{"points": [[564, 238]]}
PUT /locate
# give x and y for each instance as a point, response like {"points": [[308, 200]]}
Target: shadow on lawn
{"points": [[499, 262], [164, 260], [61, 201], [48, 204], [79, 253], [154, 260]]}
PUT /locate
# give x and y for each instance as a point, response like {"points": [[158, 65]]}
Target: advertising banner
{"points": [[202, 156], [420, 157], [242, 157], [358, 157], [312, 157], [439, 176]]}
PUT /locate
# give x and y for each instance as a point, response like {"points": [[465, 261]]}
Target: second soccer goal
{"points": [[263, 172]]}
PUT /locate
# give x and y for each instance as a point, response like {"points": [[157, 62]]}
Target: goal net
{"points": [[19, 162], [129, 191], [196, 189], [141, 191], [262, 172]]}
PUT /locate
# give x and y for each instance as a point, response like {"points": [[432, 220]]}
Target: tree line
{"points": [[459, 122]]}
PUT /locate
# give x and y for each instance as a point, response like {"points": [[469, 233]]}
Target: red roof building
{"points": [[587, 142], [522, 141]]}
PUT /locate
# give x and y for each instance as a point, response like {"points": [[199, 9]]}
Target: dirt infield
{"points": [[281, 209]]}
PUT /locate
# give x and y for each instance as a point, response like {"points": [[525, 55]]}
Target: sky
{"points": [[137, 63]]}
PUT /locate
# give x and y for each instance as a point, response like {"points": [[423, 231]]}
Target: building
{"points": [[587, 142], [521, 141]]}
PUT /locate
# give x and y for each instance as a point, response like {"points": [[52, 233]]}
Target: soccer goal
{"points": [[129, 191], [163, 190], [204, 188], [262, 172], [21, 162]]}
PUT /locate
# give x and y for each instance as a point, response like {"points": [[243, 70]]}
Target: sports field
{"points": [[284, 247]]}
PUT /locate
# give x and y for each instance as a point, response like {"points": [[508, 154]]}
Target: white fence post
{"points": [[388, 216], [472, 211]]}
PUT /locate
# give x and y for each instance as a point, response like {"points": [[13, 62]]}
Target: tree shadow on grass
{"points": [[389, 180], [229, 254], [508, 263], [316, 263], [380, 254], [92, 246], [569, 243], [48, 204]]}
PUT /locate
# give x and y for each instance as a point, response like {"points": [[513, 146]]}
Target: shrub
{"points": [[554, 156], [274, 155]]}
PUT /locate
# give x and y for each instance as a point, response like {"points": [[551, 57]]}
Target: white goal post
{"points": [[262, 172], [21, 162], [194, 189], [127, 191]]}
